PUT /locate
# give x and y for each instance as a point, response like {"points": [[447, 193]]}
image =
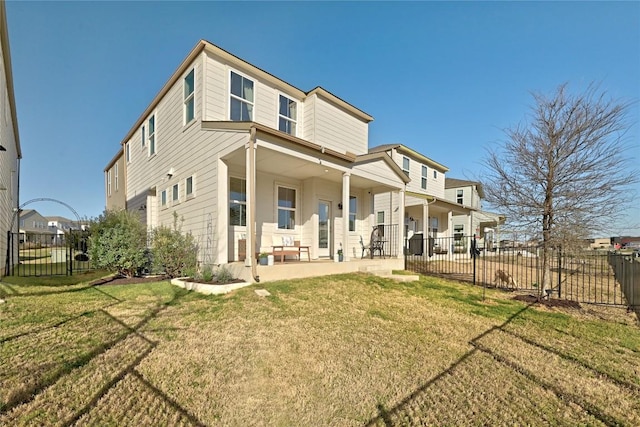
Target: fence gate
{"points": [[46, 254], [583, 276]]}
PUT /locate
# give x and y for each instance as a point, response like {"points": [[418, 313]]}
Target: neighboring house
{"points": [[60, 226], [242, 156], [10, 152], [427, 210], [485, 225], [601, 243], [34, 228]]}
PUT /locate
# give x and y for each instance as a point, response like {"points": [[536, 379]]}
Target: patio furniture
{"points": [[285, 245], [376, 243], [364, 247]]}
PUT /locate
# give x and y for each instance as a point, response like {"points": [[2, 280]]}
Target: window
{"points": [[380, 223], [163, 198], [458, 232], [405, 165], [353, 209], [286, 208], [435, 174], [189, 186], [175, 193], [237, 201], [109, 182], [115, 175], [127, 152], [144, 139], [189, 97], [241, 98], [459, 197], [287, 116], [152, 135], [423, 182]]}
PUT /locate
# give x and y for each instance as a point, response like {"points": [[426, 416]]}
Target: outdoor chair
{"points": [[376, 242], [364, 247]]}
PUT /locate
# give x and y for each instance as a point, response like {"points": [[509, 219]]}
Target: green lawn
{"points": [[348, 350]]}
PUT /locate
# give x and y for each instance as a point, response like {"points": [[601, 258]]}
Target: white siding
{"points": [[435, 186], [334, 128]]}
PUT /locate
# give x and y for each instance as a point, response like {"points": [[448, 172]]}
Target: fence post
{"points": [[559, 268]]}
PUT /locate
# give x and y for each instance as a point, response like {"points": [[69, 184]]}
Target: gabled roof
{"points": [[209, 47], [404, 149], [455, 183]]}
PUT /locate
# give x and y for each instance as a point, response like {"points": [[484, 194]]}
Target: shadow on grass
{"points": [[28, 395], [386, 416]]}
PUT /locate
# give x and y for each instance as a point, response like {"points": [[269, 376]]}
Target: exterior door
{"points": [[324, 228]]}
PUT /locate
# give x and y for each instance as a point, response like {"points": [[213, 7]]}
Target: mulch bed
{"points": [[119, 280], [561, 303]]}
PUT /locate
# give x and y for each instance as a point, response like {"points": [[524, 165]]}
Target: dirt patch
{"points": [[560, 303], [119, 280]]}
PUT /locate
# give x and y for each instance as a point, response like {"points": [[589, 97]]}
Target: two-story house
{"points": [[34, 228], [10, 151], [428, 213], [241, 155], [484, 225]]}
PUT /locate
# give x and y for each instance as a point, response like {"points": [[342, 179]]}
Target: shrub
{"points": [[224, 275], [174, 252], [118, 242]]}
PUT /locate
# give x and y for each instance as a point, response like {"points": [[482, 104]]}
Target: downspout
{"points": [[252, 207]]}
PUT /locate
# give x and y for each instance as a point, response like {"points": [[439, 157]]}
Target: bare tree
{"points": [[566, 172]]}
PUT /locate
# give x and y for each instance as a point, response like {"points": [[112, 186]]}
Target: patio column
{"points": [[400, 242], [251, 201], [346, 183], [425, 222], [450, 230], [220, 235]]}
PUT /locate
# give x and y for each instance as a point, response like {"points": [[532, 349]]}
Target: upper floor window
{"points": [[109, 182], [237, 201], [286, 208], [115, 174], [435, 174], [423, 181], [353, 209], [405, 165], [241, 98], [152, 135], [127, 151], [459, 196], [189, 97], [287, 115], [163, 198], [144, 139]]}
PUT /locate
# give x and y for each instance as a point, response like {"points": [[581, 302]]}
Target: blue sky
{"points": [[445, 78]]}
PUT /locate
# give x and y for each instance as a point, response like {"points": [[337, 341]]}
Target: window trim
{"points": [[460, 196], [423, 179], [115, 175], [294, 209], [353, 213], [163, 198], [151, 135], [408, 168], [240, 99], [109, 182], [190, 194], [290, 120], [238, 202], [127, 152], [175, 193], [189, 98]]}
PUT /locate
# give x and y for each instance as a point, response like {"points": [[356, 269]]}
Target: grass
{"points": [[339, 350]]}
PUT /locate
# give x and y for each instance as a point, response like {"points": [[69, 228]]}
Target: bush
{"points": [[118, 242], [174, 252]]}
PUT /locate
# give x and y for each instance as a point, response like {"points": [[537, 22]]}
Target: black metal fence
{"points": [[582, 276], [46, 254]]}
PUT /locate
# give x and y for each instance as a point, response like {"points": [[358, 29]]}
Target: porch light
{"points": [[2, 148], [340, 206]]}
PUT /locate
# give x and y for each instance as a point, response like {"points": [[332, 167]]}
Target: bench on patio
{"points": [[286, 245]]}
